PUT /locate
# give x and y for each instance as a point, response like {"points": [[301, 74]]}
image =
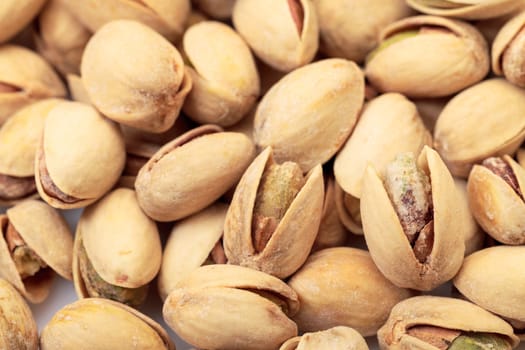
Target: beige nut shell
{"points": [[472, 9], [474, 235], [336, 338], [349, 216], [15, 15]]}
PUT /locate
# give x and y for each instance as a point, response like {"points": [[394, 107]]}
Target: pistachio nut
{"points": [[429, 109], [258, 309], [15, 15], [18, 329], [143, 84], [36, 242], [411, 223], [274, 216], [474, 235], [18, 145], [167, 17], [388, 125], [336, 338], [80, 158], [221, 10], [103, 324], [191, 172], [343, 287], [77, 89], [60, 38], [282, 33], [495, 194], [193, 242], [350, 28], [224, 75], [469, 129], [25, 78], [431, 322], [466, 9], [348, 210], [308, 123], [428, 56], [507, 51]]}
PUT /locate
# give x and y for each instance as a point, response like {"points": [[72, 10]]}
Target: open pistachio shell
{"points": [[348, 209], [219, 96], [469, 129], [191, 172], [189, 246], [439, 314], [308, 123], [80, 158], [15, 15], [428, 56], [102, 324], [336, 338], [282, 33], [388, 125], [293, 237], [387, 241], [216, 9], [195, 310], [466, 9], [18, 329]]}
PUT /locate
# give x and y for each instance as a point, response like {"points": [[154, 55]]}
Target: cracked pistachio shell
{"points": [[292, 240], [307, 116], [348, 209], [15, 15], [18, 329], [343, 287], [433, 311], [143, 84], [348, 30], [83, 153], [466, 9], [189, 246], [495, 204], [25, 78], [60, 38], [474, 235], [336, 338], [469, 129], [216, 9], [436, 57], [282, 33], [196, 310], [494, 279], [388, 125], [46, 232], [224, 75], [192, 171], [387, 242], [167, 17], [122, 243], [102, 324]]}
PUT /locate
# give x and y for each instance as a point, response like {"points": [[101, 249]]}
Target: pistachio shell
{"points": [[388, 125], [225, 79], [308, 123], [115, 326], [342, 286], [474, 235], [189, 245], [18, 329], [388, 244], [212, 162], [471, 9], [15, 15], [284, 34], [348, 210], [77, 89], [470, 129], [448, 313], [337, 338], [216, 9], [441, 57]]}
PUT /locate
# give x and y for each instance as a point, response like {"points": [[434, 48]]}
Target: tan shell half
{"points": [[225, 78], [95, 323], [18, 329], [442, 57], [448, 313], [47, 233], [343, 287], [308, 123], [387, 242], [494, 279], [469, 129], [293, 238], [468, 9], [509, 40], [336, 338], [284, 34], [474, 235], [189, 245], [15, 15], [195, 310], [388, 125], [192, 171], [348, 209]]}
